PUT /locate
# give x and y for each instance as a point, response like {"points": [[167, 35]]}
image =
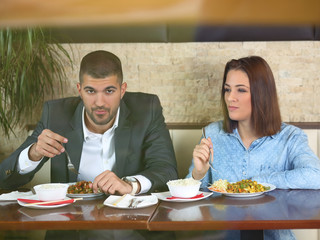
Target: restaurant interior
{"points": [[177, 49]]}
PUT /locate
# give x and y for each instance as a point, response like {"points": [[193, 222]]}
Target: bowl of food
{"points": [[51, 191], [184, 188]]}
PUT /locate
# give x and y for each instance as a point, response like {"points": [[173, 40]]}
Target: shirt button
{"points": [[243, 173]]}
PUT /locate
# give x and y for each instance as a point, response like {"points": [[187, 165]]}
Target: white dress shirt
{"points": [[98, 155]]}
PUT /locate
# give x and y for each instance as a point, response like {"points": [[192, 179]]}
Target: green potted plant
{"points": [[32, 67]]}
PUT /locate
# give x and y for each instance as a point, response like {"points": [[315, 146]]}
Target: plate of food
{"points": [[242, 189], [82, 189], [183, 190]]}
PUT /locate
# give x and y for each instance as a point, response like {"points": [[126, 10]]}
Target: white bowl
{"points": [[51, 191], [184, 188]]}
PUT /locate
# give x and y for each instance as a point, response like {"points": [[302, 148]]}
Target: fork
{"points": [[136, 203], [70, 165], [131, 202], [211, 152]]}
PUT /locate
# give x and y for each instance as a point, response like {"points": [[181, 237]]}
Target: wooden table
{"points": [[85, 214], [279, 209]]}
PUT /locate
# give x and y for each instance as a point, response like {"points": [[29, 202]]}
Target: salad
{"points": [[82, 187]]}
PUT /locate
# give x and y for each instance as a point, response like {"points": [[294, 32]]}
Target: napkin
{"points": [[58, 202], [125, 201], [195, 197], [12, 196]]}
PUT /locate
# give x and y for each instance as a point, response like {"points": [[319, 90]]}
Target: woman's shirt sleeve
{"points": [[302, 169]]}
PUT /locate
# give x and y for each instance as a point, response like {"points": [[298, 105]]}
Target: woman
{"points": [[251, 142]]}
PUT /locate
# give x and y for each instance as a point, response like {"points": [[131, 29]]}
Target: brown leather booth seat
{"points": [[317, 33]]}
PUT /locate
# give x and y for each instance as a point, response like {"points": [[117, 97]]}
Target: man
{"points": [[117, 140]]}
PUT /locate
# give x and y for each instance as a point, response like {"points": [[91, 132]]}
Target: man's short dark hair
{"points": [[101, 64]]}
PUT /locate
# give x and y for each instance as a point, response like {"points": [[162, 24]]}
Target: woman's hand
{"points": [[201, 158]]}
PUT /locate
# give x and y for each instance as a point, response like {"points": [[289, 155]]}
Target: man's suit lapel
{"points": [[75, 141], [122, 139]]}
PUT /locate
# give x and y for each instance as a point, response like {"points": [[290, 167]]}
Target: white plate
{"points": [[87, 195], [23, 204], [83, 195], [165, 195], [246, 195], [124, 203]]}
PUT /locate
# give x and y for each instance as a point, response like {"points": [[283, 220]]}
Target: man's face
{"points": [[101, 98]]}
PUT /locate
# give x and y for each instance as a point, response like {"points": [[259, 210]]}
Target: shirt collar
{"points": [[236, 133], [90, 135]]}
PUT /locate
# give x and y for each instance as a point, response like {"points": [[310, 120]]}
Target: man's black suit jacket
{"points": [[142, 142]]}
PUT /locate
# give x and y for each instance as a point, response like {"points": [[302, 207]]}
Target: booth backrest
{"points": [[184, 141], [164, 33]]}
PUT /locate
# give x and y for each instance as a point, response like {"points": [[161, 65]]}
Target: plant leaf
{"points": [[32, 64]]}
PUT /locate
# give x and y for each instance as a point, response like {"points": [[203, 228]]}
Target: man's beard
{"points": [[102, 122]]}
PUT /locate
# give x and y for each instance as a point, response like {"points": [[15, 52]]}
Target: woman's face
{"points": [[238, 96]]}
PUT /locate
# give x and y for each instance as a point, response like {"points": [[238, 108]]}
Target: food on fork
{"points": [[82, 187], [243, 186]]}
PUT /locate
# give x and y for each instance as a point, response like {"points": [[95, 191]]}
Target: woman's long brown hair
{"points": [[265, 116]]}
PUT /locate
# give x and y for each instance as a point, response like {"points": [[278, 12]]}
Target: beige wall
{"points": [[187, 77]]}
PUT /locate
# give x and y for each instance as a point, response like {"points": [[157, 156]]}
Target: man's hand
{"points": [[48, 145], [110, 183]]}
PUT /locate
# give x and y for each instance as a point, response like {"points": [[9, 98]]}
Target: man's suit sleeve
{"points": [[160, 161], [9, 175]]}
